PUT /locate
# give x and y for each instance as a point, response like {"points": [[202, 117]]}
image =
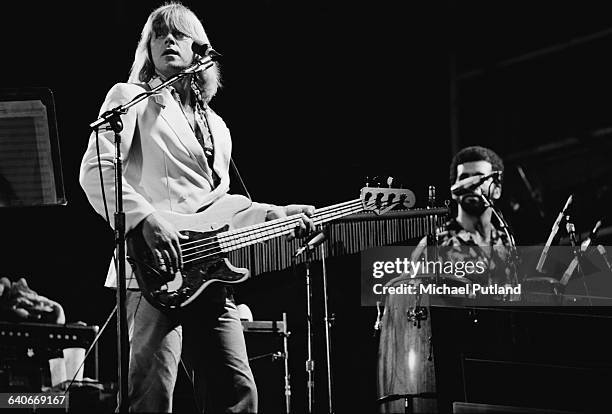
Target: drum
{"points": [[405, 353]]}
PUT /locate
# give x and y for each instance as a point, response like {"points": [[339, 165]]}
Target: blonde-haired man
{"points": [[177, 155]]}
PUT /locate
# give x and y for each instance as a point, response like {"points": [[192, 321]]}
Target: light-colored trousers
{"points": [[211, 340]]}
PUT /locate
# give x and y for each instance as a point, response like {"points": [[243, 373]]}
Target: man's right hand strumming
{"points": [[163, 240]]}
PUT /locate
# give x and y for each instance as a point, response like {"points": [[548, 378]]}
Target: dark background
{"points": [[319, 95]]}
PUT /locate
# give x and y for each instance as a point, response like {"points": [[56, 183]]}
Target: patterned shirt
{"points": [[458, 244], [490, 260]]}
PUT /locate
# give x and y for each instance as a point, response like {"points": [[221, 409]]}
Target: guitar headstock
{"points": [[380, 199]]}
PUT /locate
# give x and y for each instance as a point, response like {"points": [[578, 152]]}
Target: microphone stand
{"points": [[328, 324], [571, 230], [432, 235], [553, 233], [309, 361], [506, 229], [123, 349], [316, 239], [113, 118], [583, 247]]}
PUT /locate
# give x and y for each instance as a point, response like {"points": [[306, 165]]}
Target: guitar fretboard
{"points": [[351, 234]]}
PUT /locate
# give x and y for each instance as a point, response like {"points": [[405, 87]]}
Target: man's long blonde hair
{"points": [[174, 16]]}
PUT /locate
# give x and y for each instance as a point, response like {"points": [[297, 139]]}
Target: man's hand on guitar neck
{"points": [[163, 240], [305, 224]]}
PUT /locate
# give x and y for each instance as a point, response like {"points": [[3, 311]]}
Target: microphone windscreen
{"points": [[200, 49]]}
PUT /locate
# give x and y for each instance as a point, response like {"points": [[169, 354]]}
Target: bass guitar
{"points": [[211, 237]]}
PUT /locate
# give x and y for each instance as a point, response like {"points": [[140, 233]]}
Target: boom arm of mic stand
{"points": [[202, 64]]}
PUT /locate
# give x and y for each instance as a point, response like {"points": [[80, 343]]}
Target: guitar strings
{"points": [[232, 243], [284, 224], [247, 229], [261, 233], [283, 221], [256, 238]]}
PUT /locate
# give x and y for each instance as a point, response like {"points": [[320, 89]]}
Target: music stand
{"points": [[30, 163]]}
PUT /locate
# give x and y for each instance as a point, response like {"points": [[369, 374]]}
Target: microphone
{"points": [[204, 50], [468, 185], [313, 242]]}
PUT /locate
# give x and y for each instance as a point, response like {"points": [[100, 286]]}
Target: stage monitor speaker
{"points": [[30, 163]]}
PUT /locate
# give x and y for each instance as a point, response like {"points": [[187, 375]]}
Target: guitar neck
{"points": [[246, 236]]}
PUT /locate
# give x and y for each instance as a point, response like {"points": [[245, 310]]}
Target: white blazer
{"points": [[164, 166]]}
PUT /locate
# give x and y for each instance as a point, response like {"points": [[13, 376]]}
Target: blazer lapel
{"points": [[174, 117], [172, 114]]}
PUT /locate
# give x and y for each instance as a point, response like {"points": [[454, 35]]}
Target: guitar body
{"points": [[167, 291]]}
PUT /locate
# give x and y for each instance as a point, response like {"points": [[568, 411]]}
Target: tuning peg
{"points": [[367, 181], [379, 198], [389, 181]]}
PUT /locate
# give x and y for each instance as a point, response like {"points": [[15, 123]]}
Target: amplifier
{"points": [[267, 347]]}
